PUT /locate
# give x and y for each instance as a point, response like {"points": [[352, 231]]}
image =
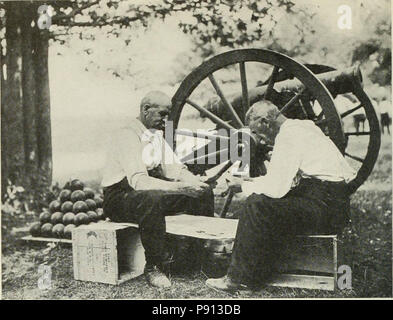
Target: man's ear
{"points": [[145, 108]]}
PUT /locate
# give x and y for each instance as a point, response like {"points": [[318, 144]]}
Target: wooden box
{"points": [[107, 252], [309, 262]]}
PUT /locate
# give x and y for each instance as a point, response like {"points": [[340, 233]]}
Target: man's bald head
{"points": [[262, 110], [154, 109], [264, 119], [155, 98]]}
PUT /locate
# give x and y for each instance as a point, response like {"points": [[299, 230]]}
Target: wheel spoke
{"points": [[344, 114], [225, 101], [201, 135], [320, 116], [303, 109], [308, 108], [354, 157], [243, 79], [272, 80], [227, 203], [291, 102], [202, 159], [366, 133], [210, 115]]}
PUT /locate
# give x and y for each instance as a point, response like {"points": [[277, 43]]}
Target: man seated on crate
{"points": [[143, 186], [304, 192]]}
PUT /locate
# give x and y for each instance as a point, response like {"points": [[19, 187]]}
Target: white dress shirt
{"points": [[301, 150], [134, 151]]}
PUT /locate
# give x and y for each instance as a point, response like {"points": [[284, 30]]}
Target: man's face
{"points": [[265, 130], [156, 116]]}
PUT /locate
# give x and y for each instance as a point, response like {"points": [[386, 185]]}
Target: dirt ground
{"points": [[366, 246]]}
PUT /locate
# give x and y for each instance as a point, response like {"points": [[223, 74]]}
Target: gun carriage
{"points": [[299, 91]]}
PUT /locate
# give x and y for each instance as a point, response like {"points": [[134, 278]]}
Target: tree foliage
{"points": [[299, 30], [227, 23]]}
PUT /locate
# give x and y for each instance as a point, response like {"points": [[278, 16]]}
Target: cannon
{"points": [[337, 82], [298, 93]]}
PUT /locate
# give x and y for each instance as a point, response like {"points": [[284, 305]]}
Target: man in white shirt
{"points": [[304, 191], [144, 181]]}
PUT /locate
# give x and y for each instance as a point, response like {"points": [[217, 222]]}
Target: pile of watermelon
{"points": [[76, 205]]}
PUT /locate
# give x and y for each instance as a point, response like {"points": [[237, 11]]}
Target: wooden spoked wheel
{"points": [[361, 146], [328, 119]]}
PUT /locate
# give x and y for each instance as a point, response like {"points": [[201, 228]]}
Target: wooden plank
{"points": [[106, 225], [322, 236], [201, 227], [335, 260], [42, 239], [304, 282]]}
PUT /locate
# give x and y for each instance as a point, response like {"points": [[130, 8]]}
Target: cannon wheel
{"points": [[329, 117]]}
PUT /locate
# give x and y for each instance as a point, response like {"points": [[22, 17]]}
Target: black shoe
{"points": [[156, 277]]}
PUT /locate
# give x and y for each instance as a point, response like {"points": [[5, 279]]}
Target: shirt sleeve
{"points": [[171, 165], [130, 157], [283, 167]]}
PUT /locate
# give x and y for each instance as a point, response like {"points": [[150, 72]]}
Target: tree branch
{"points": [[99, 23], [73, 13]]}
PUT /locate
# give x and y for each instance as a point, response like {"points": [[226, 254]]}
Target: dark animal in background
{"points": [[359, 119], [385, 122]]}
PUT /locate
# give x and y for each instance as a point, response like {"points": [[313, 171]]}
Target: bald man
{"points": [[144, 181], [303, 192]]}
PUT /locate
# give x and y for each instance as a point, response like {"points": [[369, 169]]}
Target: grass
{"points": [[366, 246]]}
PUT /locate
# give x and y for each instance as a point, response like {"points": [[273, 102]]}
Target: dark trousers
{"points": [[266, 225], [148, 208]]}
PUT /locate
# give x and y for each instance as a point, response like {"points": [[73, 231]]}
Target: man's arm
{"points": [[131, 160], [174, 169], [283, 167], [145, 182]]}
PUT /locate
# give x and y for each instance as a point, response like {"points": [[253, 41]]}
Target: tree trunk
{"points": [[44, 134], [25, 113], [29, 97], [12, 146]]}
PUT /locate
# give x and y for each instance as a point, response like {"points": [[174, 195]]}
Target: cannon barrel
{"points": [[337, 82]]}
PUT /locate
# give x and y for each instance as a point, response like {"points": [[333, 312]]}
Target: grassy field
{"points": [[366, 245]]}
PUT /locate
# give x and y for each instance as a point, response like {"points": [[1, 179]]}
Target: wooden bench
{"points": [[112, 253]]}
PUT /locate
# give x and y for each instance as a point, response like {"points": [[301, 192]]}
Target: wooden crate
{"points": [[107, 253], [112, 253], [309, 262]]}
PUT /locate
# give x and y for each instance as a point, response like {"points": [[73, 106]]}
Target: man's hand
{"points": [[195, 179], [234, 184]]}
